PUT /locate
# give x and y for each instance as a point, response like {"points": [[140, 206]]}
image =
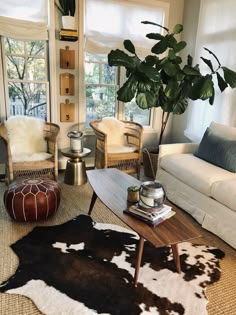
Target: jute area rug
{"points": [[75, 200]]}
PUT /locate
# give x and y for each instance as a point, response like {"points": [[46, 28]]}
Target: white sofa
{"points": [[205, 191]]}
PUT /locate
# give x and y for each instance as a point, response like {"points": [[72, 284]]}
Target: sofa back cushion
{"points": [[218, 150], [223, 130]]}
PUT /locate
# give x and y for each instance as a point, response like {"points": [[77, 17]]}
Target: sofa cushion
{"points": [[224, 191], [223, 130], [114, 149], [194, 172], [218, 150]]}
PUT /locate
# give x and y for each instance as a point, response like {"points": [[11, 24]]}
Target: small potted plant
{"points": [[67, 9]]}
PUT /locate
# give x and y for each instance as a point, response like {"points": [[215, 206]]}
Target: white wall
{"points": [[190, 23]]}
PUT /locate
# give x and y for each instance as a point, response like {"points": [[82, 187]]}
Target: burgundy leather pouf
{"points": [[29, 200]]}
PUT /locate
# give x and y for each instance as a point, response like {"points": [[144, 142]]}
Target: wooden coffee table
{"points": [[110, 186]]}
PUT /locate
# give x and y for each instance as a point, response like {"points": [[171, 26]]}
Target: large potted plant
{"points": [[67, 9], [163, 80]]}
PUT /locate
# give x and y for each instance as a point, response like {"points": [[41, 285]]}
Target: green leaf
{"points": [[212, 98], [152, 60], [149, 71], [221, 82], [208, 62], [230, 77], [180, 76], [202, 89], [190, 60], [178, 60], [207, 89], [129, 46], [152, 23], [146, 100], [144, 86], [180, 107], [172, 42], [211, 53], [156, 36], [190, 70], [127, 92], [172, 89], [161, 46], [171, 54], [171, 69], [180, 46], [178, 28], [120, 58], [164, 77]]}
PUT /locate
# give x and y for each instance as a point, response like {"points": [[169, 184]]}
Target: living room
{"points": [[206, 23]]}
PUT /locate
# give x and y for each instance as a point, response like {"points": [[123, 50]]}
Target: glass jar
{"points": [[76, 141]]}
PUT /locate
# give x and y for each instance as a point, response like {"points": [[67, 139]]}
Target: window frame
{"points": [[100, 84], [6, 109]]}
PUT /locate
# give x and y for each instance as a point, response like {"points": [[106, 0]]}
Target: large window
{"points": [[106, 32], [26, 77], [101, 86], [102, 82]]}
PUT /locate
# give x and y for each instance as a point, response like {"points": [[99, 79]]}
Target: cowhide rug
{"points": [[84, 268]]}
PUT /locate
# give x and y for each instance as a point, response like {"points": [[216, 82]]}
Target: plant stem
{"points": [[164, 120]]}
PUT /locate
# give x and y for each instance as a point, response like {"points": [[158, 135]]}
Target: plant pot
{"points": [[150, 159], [68, 22]]}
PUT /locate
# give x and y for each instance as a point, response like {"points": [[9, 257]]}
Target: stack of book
{"points": [[152, 216], [68, 35]]}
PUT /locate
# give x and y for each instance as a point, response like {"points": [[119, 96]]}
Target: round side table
{"points": [[75, 173]]}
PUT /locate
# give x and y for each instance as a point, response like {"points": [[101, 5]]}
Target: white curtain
{"points": [[216, 31], [25, 19], [109, 22]]}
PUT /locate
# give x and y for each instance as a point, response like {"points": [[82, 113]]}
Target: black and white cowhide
{"points": [[84, 268]]}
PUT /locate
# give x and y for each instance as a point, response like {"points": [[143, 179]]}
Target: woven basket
{"points": [[150, 159]]}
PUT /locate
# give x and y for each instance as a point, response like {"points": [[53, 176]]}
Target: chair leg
{"points": [[138, 169]]}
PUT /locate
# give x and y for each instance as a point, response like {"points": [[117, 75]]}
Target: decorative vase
{"points": [[68, 22]]}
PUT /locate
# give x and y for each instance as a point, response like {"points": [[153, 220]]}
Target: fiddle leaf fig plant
{"points": [[163, 80]]}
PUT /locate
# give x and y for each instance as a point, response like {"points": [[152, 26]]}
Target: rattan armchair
{"points": [[129, 157], [40, 168]]}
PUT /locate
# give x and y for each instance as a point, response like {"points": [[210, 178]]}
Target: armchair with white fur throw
{"points": [[118, 144], [31, 146]]}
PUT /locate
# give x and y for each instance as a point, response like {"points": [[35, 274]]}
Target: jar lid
{"points": [[75, 134]]}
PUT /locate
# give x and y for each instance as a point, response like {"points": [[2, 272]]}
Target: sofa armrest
{"points": [[175, 148]]}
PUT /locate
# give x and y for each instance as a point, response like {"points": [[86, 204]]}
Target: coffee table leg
{"points": [[139, 258], [93, 200], [176, 257]]}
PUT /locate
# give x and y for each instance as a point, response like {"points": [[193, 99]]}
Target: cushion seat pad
{"points": [[195, 172], [112, 149]]}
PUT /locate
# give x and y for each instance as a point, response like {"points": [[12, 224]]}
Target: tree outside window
{"points": [[26, 77]]}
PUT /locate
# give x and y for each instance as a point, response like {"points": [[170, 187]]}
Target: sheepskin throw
{"points": [[114, 130], [26, 138]]}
